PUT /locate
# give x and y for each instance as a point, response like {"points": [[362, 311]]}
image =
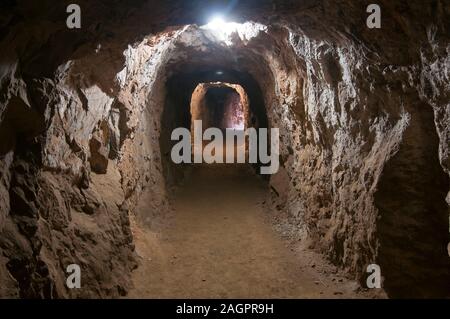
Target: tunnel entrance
{"points": [[224, 106], [221, 105], [229, 100]]}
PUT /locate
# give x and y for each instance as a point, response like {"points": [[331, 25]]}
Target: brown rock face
{"points": [[99, 148], [86, 117]]}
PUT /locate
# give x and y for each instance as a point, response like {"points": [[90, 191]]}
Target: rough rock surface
{"points": [[363, 115]]}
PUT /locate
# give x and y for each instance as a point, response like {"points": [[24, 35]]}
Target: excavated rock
{"points": [[363, 115]]}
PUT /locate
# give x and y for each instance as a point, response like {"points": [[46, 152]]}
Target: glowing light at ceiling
{"points": [[222, 30], [218, 23]]}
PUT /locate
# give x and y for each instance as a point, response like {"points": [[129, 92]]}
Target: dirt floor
{"points": [[221, 245]]}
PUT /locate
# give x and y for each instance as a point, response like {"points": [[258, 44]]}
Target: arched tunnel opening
{"points": [[220, 105], [240, 149], [226, 100]]}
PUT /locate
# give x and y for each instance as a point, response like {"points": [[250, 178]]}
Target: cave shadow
{"points": [[413, 228]]}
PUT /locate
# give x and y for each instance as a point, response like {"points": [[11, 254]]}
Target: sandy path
{"points": [[221, 246]]}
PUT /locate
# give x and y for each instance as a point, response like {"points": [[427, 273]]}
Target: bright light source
{"points": [[223, 30], [217, 22], [219, 72]]}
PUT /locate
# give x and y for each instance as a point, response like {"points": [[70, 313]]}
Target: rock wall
{"points": [[360, 148], [57, 209]]}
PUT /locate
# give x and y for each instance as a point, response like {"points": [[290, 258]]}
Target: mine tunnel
{"points": [[94, 172], [219, 106]]}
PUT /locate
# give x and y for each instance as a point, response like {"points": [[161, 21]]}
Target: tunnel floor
{"points": [[221, 245]]}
